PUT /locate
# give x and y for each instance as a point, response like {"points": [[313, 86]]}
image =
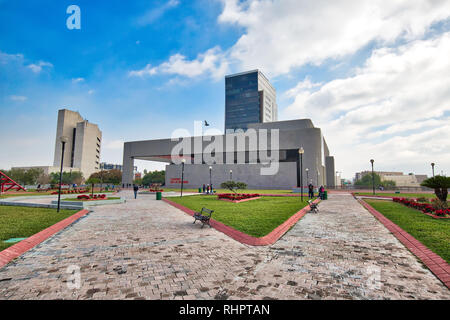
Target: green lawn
{"points": [[399, 195], [433, 233], [256, 218], [228, 191], [23, 222]]}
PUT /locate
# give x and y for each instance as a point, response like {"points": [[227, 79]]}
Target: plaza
{"points": [[147, 249]]}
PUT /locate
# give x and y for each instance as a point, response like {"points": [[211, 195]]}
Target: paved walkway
{"points": [[146, 249]]}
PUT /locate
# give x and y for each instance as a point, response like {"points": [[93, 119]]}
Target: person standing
{"points": [[310, 191], [204, 188], [321, 192], [135, 189]]}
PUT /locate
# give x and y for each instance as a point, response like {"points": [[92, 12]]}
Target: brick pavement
{"points": [[146, 249]]}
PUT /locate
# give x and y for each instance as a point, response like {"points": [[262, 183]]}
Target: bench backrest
{"points": [[207, 211]]}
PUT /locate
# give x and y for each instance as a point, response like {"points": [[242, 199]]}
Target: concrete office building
{"points": [[83, 148], [292, 134], [249, 98]]}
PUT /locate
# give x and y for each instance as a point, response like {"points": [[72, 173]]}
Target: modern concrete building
{"points": [[83, 148], [264, 157], [249, 98]]}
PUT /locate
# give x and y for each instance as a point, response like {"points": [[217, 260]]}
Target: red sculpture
{"points": [[6, 183]]}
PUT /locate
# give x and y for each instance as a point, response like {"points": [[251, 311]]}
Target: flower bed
{"points": [[70, 191], [237, 196], [90, 197], [425, 207], [156, 190]]}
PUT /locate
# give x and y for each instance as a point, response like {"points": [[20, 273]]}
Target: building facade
{"points": [[249, 98], [83, 148], [276, 146]]}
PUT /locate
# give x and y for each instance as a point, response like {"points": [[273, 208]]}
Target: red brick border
{"points": [[18, 249], [238, 201], [245, 238], [435, 263]]}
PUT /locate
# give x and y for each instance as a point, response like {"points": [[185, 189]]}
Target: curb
{"points": [[21, 247], [435, 263], [269, 239]]}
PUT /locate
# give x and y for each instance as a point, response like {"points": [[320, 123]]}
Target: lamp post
{"points": [[373, 177], [63, 140], [307, 176], [300, 152], [231, 175], [182, 175], [210, 180], [432, 168]]}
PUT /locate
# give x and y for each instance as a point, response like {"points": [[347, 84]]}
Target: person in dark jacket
{"points": [[135, 189], [204, 188], [310, 191]]}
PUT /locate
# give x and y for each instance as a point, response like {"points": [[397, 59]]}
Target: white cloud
{"points": [[77, 80], [91, 91], [37, 68], [396, 107], [282, 35], [114, 144], [211, 62], [154, 14], [18, 98]]}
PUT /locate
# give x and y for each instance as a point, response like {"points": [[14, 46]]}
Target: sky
{"points": [[373, 75]]}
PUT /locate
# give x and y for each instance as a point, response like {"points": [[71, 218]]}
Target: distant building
{"points": [[249, 98], [400, 179], [110, 166], [84, 145], [82, 150]]}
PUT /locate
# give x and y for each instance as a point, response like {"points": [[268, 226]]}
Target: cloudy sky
{"points": [[373, 74]]}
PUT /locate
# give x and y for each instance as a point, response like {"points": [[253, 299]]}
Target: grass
{"points": [[228, 191], [75, 199], [256, 218], [433, 233], [22, 222], [35, 193], [399, 195]]}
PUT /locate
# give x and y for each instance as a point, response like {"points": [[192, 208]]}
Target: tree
{"points": [[92, 181], [366, 181], [233, 185], [67, 177], [112, 176], [154, 177], [440, 184], [25, 177]]}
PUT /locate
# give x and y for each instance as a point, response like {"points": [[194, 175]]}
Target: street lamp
{"points": [[63, 140], [210, 183], [307, 175], [373, 177], [432, 167], [231, 175], [300, 152], [182, 175]]}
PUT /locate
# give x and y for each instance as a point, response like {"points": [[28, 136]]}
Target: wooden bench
{"points": [[204, 216]]}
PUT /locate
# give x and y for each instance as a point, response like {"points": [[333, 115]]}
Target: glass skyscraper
{"points": [[249, 98]]}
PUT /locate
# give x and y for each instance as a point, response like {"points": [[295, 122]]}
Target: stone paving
{"points": [[146, 249]]}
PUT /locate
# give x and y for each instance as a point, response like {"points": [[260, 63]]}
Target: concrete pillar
{"points": [[128, 166]]}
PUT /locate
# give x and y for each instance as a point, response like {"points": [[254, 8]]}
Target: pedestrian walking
{"points": [[135, 189], [204, 188], [310, 191]]}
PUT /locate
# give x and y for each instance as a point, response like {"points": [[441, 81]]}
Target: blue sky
{"points": [[141, 69]]}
